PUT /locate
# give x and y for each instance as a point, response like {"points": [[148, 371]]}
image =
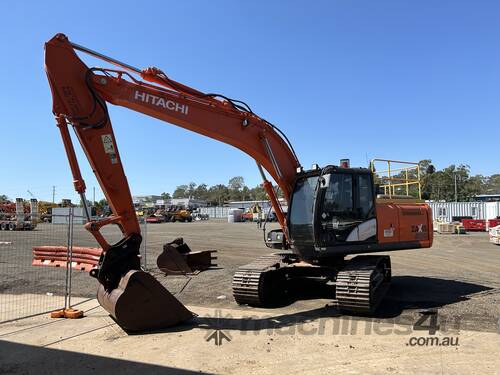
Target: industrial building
{"points": [[264, 204], [488, 197], [191, 203], [143, 199]]}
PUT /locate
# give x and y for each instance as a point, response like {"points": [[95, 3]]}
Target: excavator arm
{"points": [[79, 98]]}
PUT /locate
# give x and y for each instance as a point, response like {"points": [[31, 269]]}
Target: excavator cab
{"points": [[332, 208]]}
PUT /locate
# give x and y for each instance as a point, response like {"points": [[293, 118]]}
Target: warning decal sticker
{"points": [[109, 147]]}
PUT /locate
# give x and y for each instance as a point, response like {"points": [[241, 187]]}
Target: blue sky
{"points": [[360, 79]]}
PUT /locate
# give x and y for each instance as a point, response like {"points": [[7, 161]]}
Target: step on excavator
{"points": [[333, 211]]}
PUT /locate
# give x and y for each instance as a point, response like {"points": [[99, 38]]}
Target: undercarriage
{"points": [[357, 285]]}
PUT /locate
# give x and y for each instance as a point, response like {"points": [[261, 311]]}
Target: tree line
{"points": [[218, 194], [451, 183]]}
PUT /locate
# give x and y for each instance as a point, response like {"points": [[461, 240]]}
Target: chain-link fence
{"points": [[26, 289], [29, 287]]}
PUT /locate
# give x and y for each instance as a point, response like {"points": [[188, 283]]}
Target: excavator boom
{"points": [[79, 96]]}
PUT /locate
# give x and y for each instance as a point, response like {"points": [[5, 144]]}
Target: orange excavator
{"points": [[333, 211]]}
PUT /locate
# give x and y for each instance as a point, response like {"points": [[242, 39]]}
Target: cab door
{"points": [[345, 211]]}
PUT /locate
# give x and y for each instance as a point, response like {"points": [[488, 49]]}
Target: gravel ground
{"points": [[458, 275], [96, 345]]}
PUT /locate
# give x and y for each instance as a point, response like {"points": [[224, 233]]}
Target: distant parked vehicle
{"points": [[495, 235], [18, 215], [153, 219], [178, 213], [199, 216]]}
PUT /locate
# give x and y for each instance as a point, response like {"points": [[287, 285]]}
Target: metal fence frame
{"points": [[27, 290]]}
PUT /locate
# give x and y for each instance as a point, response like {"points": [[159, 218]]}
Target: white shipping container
{"points": [[215, 212], [445, 211], [492, 210], [60, 215]]}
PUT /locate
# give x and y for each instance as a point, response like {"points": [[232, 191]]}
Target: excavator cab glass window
{"points": [[347, 202], [338, 196], [365, 195], [301, 215]]}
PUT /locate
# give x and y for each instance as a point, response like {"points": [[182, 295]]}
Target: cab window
{"points": [[338, 195], [365, 193]]}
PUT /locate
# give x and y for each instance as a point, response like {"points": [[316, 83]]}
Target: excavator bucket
{"points": [[178, 259], [141, 303]]}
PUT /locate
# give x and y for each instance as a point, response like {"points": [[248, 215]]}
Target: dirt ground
{"points": [[269, 343], [458, 276]]}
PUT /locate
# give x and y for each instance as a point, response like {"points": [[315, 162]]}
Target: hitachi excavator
{"points": [[333, 211]]}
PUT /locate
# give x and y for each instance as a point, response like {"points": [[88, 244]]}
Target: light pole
{"points": [[456, 196]]}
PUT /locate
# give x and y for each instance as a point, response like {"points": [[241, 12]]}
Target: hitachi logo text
{"points": [[160, 102]]}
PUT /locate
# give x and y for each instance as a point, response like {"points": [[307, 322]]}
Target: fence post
{"points": [[68, 265], [70, 250], [145, 239]]}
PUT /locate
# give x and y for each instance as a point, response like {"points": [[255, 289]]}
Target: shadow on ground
{"points": [[405, 293], [418, 292], [27, 359], [407, 297]]}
